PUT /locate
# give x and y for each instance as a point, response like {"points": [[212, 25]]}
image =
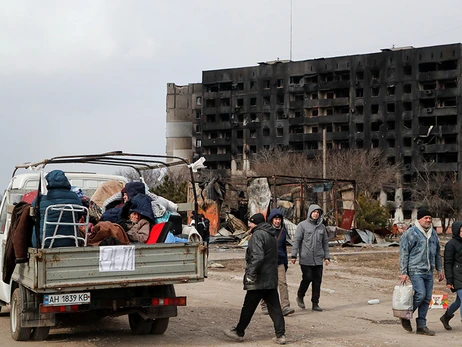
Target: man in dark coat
{"points": [[453, 272], [276, 219], [260, 279], [59, 192]]}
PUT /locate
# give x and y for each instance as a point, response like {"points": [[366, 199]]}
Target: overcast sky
{"points": [[90, 76]]}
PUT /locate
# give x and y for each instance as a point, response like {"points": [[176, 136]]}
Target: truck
{"points": [[56, 284]]}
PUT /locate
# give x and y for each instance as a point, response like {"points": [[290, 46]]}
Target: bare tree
{"points": [[440, 192], [369, 168]]}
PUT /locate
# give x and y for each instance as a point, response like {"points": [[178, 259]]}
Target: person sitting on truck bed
{"points": [[140, 219], [116, 207], [58, 193]]}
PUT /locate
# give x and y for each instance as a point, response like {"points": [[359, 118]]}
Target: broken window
{"points": [[407, 88], [359, 143], [279, 132], [225, 86], [391, 90], [427, 67], [211, 88], [428, 85], [198, 143], [314, 96], [225, 102], [375, 91], [359, 92], [198, 114], [407, 124], [210, 103], [360, 75], [299, 97], [210, 118], [266, 84], [253, 133], [374, 143], [427, 103], [407, 142], [391, 125], [266, 116], [239, 86], [374, 109], [390, 108], [359, 109], [240, 117], [281, 115], [298, 114], [447, 65], [280, 99], [296, 129], [342, 93], [240, 134], [266, 100], [224, 117], [447, 84], [407, 70], [253, 101], [198, 100], [449, 102], [375, 73], [280, 83], [198, 128], [447, 120], [329, 95], [240, 102], [253, 85], [295, 79], [296, 146], [407, 106], [266, 132]]}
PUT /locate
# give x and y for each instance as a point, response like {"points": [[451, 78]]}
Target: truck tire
{"points": [[40, 333], [18, 333], [159, 326], [138, 325]]}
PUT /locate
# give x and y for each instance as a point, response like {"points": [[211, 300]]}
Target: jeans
{"points": [[456, 304], [282, 287], [251, 301], [311, 274], [423, 286]]}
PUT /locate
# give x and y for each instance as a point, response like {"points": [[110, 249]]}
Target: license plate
{"points": [[66, 299]]}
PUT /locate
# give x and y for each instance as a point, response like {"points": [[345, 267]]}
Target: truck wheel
{"points": [[159, 326], [18, 333], [40, 333], [138, 325]]}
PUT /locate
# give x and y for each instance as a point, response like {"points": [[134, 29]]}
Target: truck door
{"points": [[4, 226]]}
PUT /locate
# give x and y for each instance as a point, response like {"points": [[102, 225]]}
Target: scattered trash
{"points": [[374, 302], [212, 264]]}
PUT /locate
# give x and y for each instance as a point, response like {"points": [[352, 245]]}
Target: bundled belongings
{"points": [[402, 303]]}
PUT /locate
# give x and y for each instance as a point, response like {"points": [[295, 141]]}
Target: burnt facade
{"points": [[405, 101]]}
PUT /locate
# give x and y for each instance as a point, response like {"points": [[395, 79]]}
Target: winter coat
{"points": [[58, 193], [139, 232], [417, 254], [453, 258], [281, 235], [262, 259], [104, 230], [311, 240]]}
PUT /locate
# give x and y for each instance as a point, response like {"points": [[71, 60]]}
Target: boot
{"points": [[445, 318]]}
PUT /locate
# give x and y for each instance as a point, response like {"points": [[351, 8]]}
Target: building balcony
{"points": [[311, 87], [438, 111], [297, 121], [218, 157], [296, 88], [447, 93], [216, 126], [427, 94], [436, 75], [334, 85], [442, 148], [296, 104], [338, 136], [216, 142], [296, 137]]}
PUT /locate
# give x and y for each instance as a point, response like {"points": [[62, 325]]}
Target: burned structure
{"points": [[404, 101]]}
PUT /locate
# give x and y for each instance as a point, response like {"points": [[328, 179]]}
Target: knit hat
{"points": [[257, 218], [422, 212]]}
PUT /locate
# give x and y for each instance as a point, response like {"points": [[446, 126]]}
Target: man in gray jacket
{"points": [[311, 242]]}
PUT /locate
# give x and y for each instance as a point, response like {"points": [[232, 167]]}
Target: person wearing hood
{"points": [[59, 192], [311, 242], [453, 272], [140, 218], [260, 280], [276, 219], [419, 255]]}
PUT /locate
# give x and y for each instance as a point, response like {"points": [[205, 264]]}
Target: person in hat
{"points": [[419, 256], [312, 243], [260, 280], [276, 219]]}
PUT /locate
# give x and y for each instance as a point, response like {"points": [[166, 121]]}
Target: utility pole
{"points": [[324, 170]]}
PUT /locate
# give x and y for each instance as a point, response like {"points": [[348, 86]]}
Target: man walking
{"points": [[419, 255], [276, 219], [312, 243], [260, 280]]}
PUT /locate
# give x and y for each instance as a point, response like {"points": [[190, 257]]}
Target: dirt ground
{"points": [[354, 276]]}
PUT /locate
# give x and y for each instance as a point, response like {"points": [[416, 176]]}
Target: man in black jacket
{"points": [[260, 279]]}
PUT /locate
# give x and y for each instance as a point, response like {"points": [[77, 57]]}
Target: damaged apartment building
{"points": [[404, 101]]}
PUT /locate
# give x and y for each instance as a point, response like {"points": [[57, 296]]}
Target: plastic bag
{"points": [[402, 303]]}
